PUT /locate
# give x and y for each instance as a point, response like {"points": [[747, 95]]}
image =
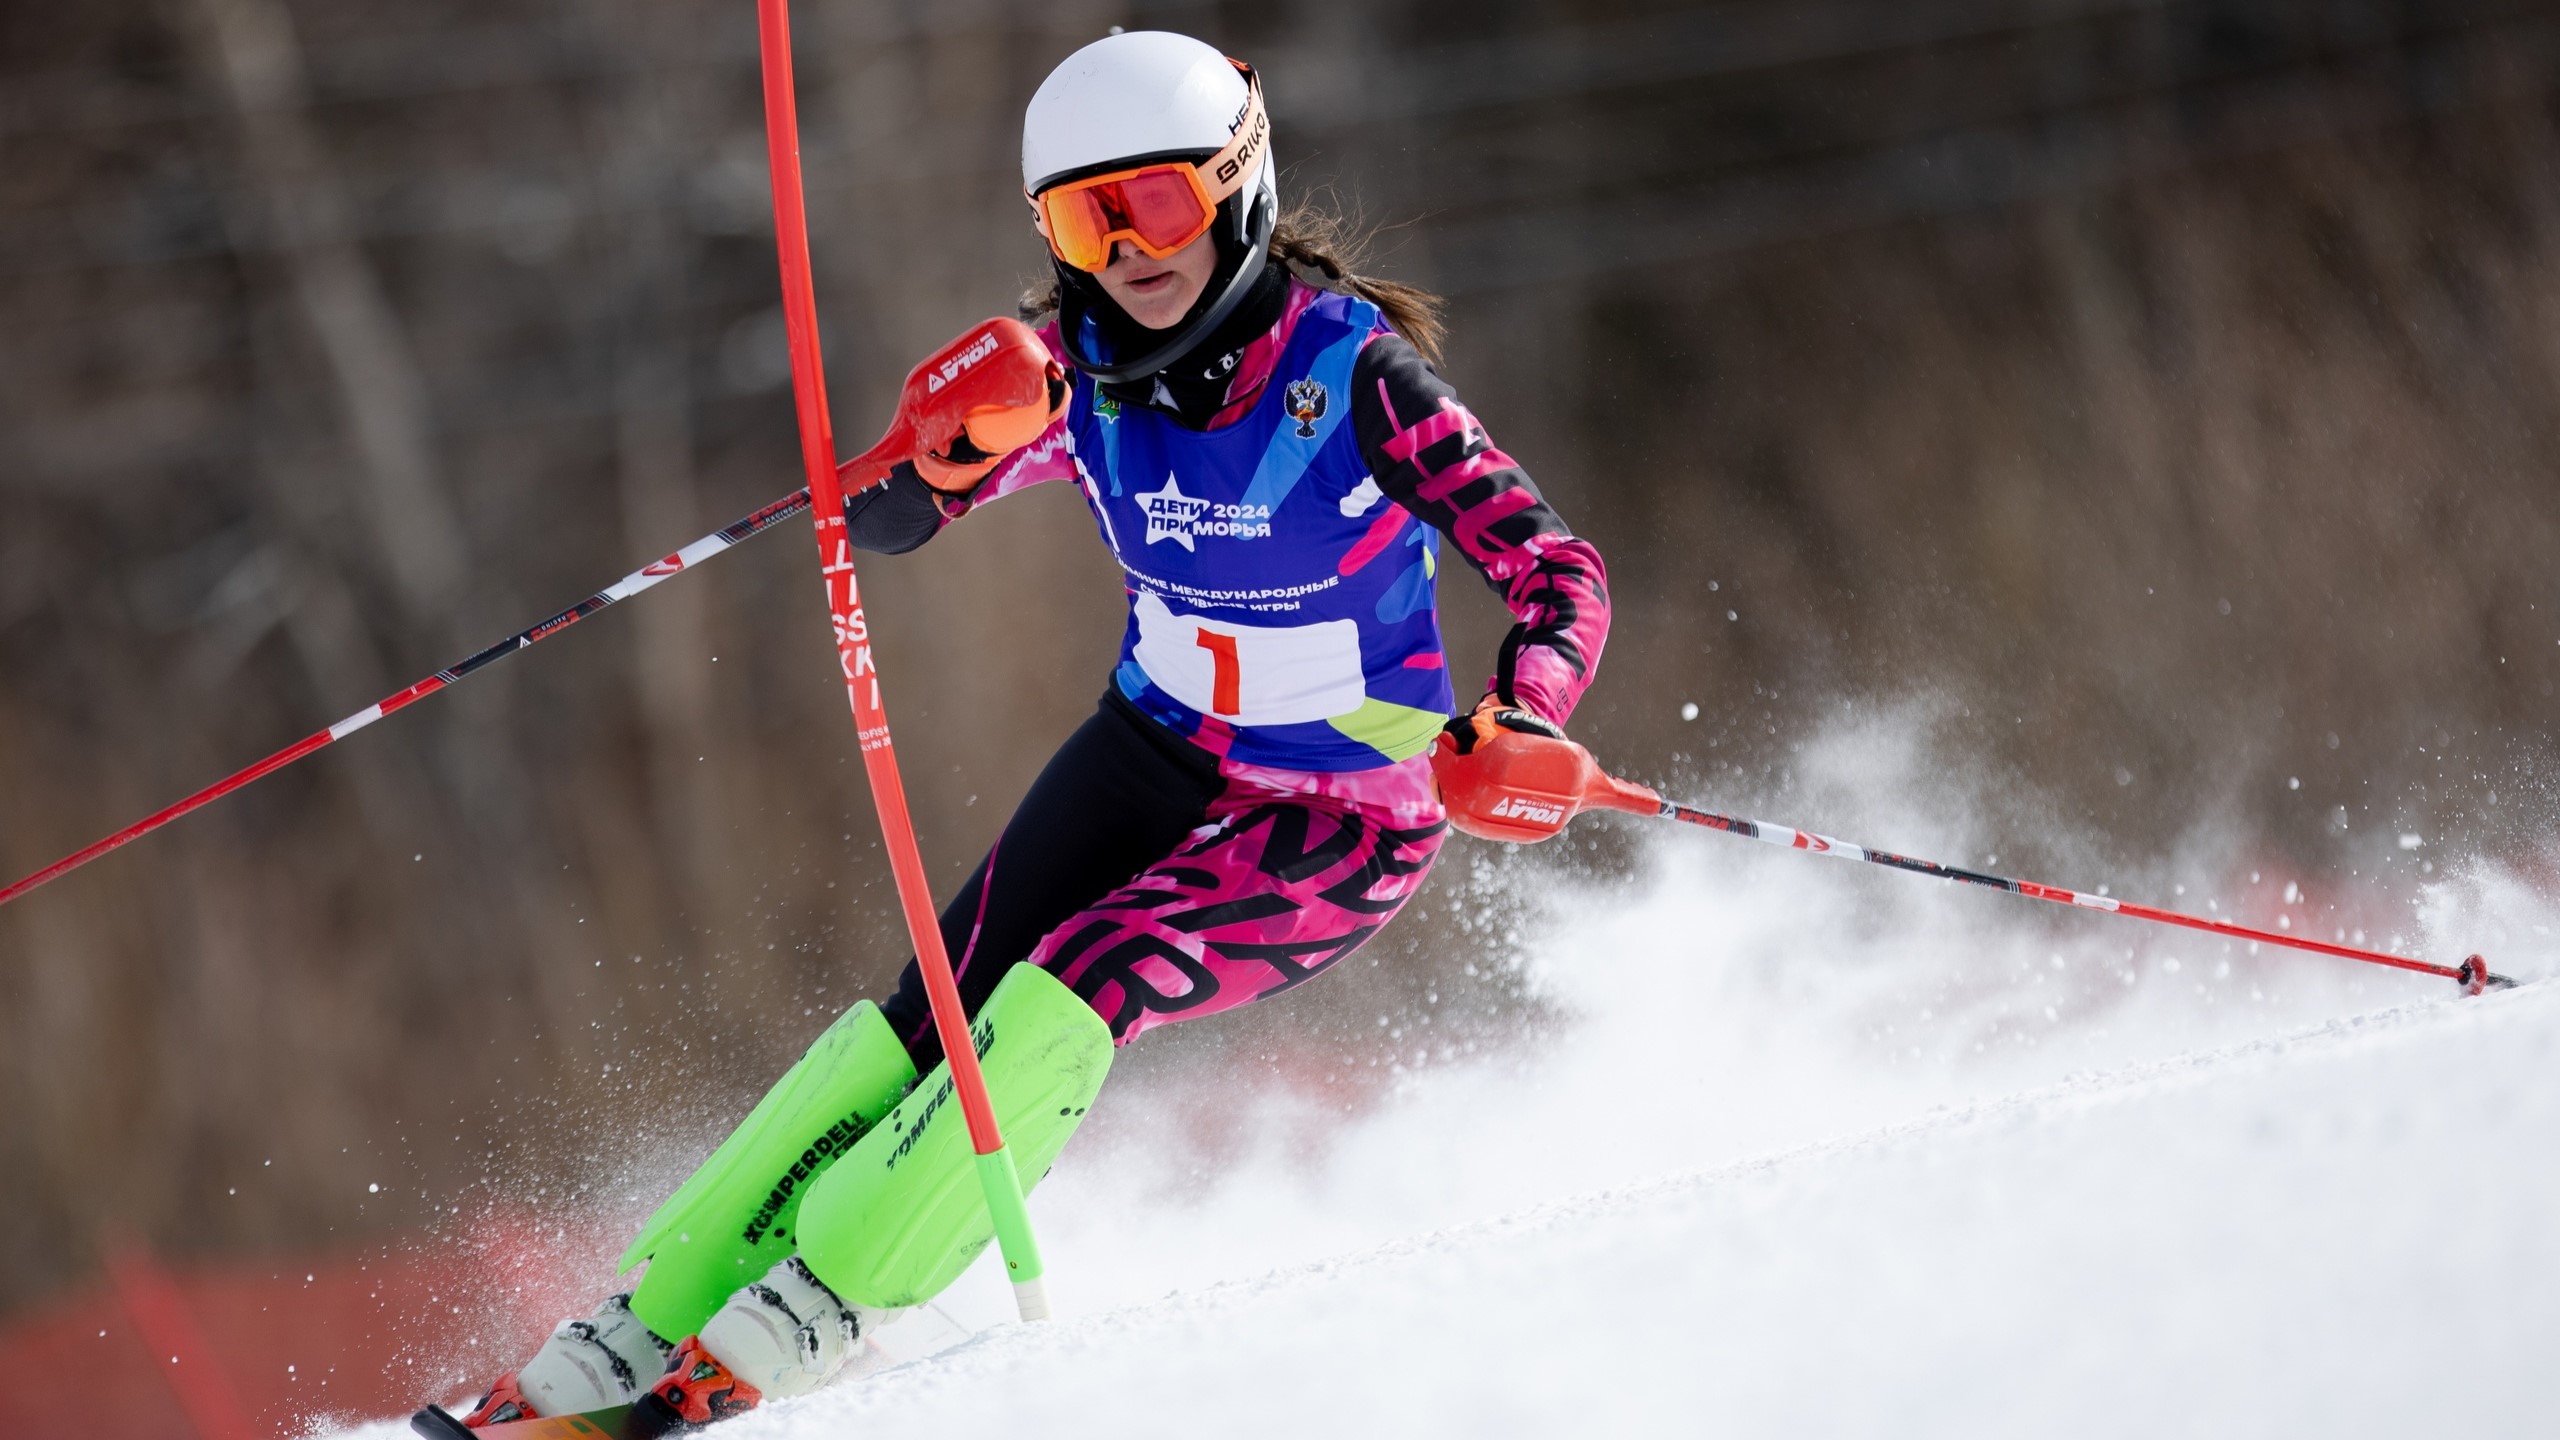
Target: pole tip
{"points": [[1031, 1299], [2477, 977]]}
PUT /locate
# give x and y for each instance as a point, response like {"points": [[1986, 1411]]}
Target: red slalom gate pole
{"points": [[159, 1311], [996, 1172], [1520, 787], [622, 589]]}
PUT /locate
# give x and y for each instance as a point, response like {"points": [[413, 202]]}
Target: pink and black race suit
{"points": [[1254, 801]]}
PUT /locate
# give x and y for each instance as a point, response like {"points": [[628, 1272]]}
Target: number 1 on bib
{"points": [[1226, 677]]}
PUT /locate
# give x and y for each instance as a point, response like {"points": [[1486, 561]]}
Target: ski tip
{"points": [[621, 1422], [435, 1424]]}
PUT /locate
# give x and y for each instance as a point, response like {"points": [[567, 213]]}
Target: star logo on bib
{"points": [[1171, 514]]}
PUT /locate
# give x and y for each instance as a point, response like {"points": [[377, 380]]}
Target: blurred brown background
{"points": [[2162, 390]]}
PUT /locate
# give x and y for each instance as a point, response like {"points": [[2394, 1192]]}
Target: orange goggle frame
{"points": [[1161, 207]]}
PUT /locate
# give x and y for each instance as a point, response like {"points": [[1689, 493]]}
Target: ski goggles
{"points": [[1159, 207]]}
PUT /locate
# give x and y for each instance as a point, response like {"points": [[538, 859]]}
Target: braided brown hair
{"points": [[1326, 249]]}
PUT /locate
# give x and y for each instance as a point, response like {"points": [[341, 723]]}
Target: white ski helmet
{"points": [[1140, 98]]}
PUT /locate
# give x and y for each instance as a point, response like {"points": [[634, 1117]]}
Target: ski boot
{"points": [[783, 1336], [588, 1364], [696, 1390]]}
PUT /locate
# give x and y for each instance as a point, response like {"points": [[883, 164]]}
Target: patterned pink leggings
{"points": [[1161, 883]]}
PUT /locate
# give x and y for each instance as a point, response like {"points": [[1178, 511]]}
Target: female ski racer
{"points": [[1270, 456]]}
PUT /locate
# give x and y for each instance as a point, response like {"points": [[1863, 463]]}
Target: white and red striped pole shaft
{"points": [[861, 673], [1527, 787], [2472, 974]]}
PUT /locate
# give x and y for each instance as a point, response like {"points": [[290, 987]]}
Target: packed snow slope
{"points": [[1814, 1149], [2343, 1232]]}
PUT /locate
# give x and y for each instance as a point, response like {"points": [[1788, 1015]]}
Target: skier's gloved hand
{"points": [[965, 407], [1508, 774], [1492, 716], [974, 442]]}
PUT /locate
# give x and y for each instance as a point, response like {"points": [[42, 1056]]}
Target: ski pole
{"points": [[1526, 787], [996, 1174], [622, 589]]}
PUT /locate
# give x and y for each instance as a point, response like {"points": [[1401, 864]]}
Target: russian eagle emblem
{"points": [[1307, 401]]}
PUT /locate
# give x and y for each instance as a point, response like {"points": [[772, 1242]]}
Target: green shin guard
{"points": [[898, 1219], [738, 1216]]}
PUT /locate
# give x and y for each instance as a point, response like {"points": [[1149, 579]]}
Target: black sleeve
{"points": [[1431, 456], [896, 515]]}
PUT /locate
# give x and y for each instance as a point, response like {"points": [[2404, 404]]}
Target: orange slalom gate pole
{"points": [[996, 1172]]}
